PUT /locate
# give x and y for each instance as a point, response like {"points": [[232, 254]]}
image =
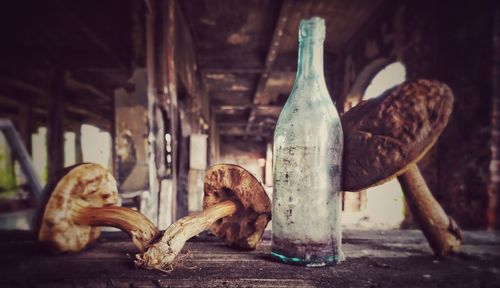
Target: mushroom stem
{"points": [[162, 254], [443, 234], [142, 231]]}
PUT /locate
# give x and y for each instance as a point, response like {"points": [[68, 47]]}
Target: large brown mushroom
{"points": [[236, 209], [80, 200], [386, 136]]}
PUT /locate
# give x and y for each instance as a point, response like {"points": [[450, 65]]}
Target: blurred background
{"points": [[158, 90]]}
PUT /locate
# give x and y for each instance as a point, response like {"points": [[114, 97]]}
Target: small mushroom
{"points": [[386, 136], [236, 209], [80, 200]]}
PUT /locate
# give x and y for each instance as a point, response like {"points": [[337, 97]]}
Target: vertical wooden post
{"points": [[214, 140], [182, 177], [78, 145], [151, 55], [24, 125], [171, 86], [268, 169], [55, 131]]}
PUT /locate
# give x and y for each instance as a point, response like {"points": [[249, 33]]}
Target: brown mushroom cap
{"points": [[384, 135], [245, 228], [82, 185]]}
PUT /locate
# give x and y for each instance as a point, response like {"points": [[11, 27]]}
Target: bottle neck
{"points": [[310, 64]]}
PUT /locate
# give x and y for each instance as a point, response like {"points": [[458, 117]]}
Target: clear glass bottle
{"points": [[308, 144]]}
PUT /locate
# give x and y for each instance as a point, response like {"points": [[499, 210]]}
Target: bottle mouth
{"points": [[312, 29]]}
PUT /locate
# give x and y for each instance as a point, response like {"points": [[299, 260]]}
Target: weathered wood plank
{"points": [[391, 258]]}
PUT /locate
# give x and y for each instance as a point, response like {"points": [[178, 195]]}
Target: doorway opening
{"points": [[381, 206]]}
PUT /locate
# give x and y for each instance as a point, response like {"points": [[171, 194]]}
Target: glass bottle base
{"points": [[316, 262], [306, 254]]}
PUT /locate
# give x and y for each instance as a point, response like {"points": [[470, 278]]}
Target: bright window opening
{"points": [[96, 146], [392, 75], [39, 153], [69, 149]]}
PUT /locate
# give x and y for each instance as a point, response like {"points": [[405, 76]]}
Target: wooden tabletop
{"points": [[375, 258]]}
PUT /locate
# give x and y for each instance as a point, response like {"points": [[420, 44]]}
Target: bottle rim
{"points": [[312, 29]]}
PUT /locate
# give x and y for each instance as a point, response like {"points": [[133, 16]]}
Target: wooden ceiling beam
{"points": [[234, 70], [22, 85], [37, 97], [73, 111], [271, 57], [242, 131], [72, 83], [231, 109], [94, 118], [232, 124]]}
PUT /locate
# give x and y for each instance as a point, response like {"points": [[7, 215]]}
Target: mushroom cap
{"points": [[384, 135], [82, 185], [243, 229]]}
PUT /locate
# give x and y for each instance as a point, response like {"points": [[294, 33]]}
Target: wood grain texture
{"points": [[375, 258]]}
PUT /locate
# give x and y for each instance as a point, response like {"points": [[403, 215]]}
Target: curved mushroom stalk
{"points": [[442, 232], [130, 221], [80, 200], [163, 253], [237, 210]]}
